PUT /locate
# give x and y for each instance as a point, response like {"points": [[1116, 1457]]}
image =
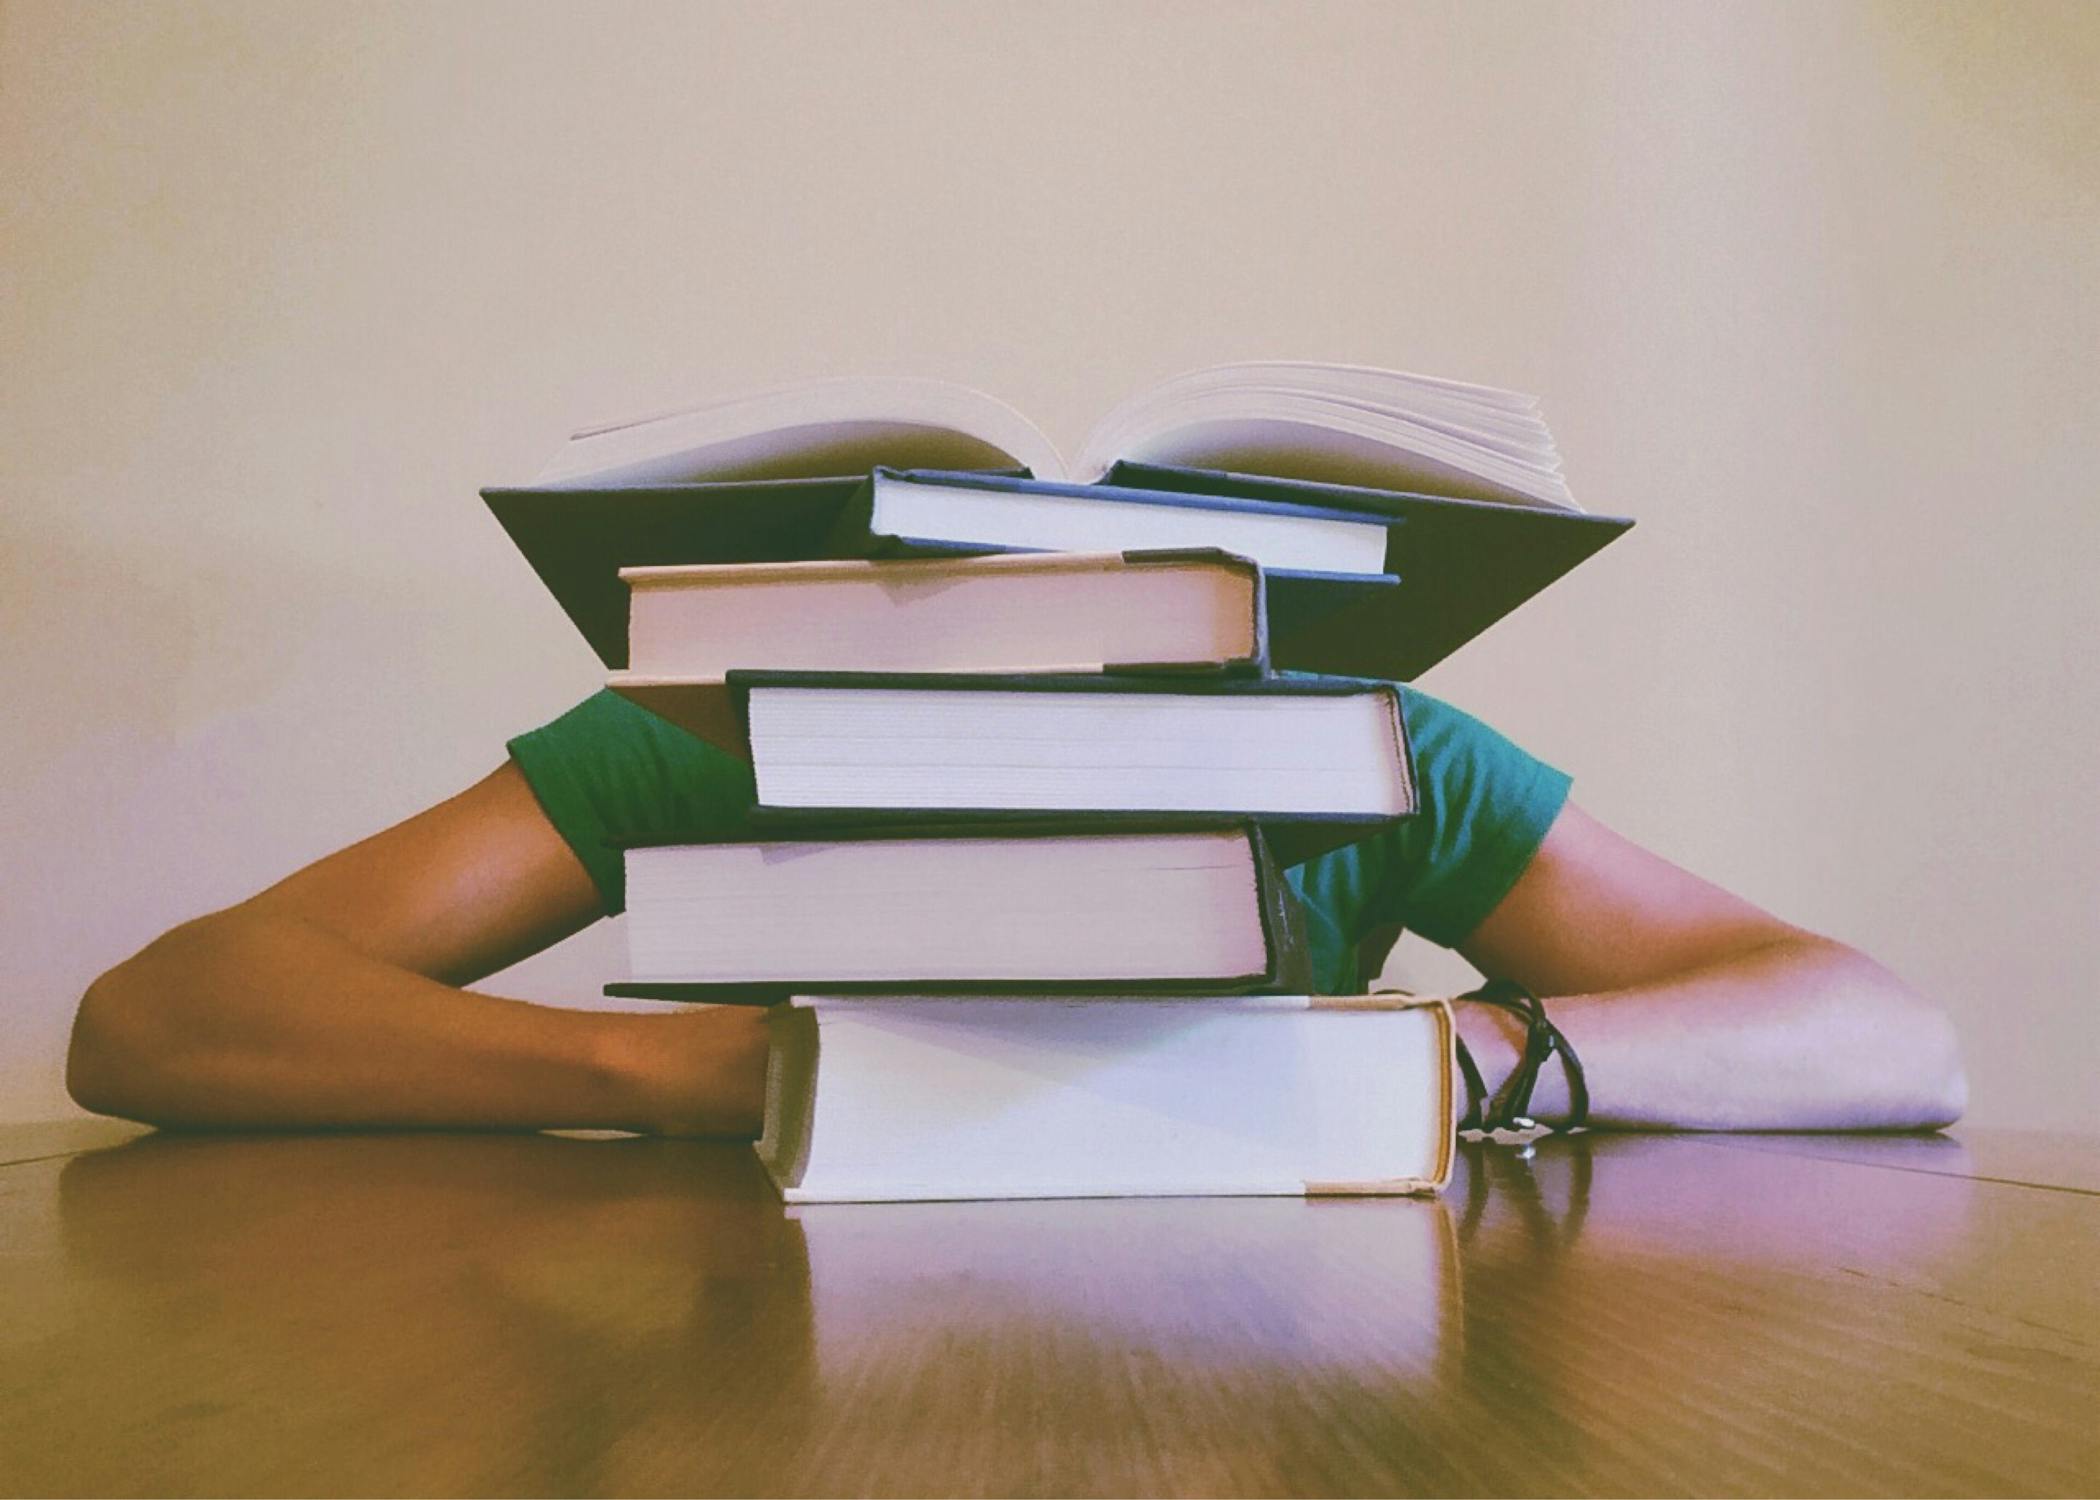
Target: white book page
{"points": [[1011, 612], [1335, 445], [1451, 436], [1097, 907], [1316, 754], [1527, 443], [1456, 410], [1382, 429], [823, 427], [1353, 417]]}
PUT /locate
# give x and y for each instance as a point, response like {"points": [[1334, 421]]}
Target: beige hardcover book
{"points": [[689, 626], [896, 1098]]}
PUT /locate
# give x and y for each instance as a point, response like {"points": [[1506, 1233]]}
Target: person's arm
{"points": [[332, 999], [1692, 1009]]}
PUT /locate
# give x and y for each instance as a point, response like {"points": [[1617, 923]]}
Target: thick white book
{"points": [[1329, 756], [952, 1097], [1334, 424]]}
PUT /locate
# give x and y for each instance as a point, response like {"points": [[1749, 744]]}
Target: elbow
{"points": [[97, 1071], [1918, 1075], [110, 1059], [123, 1056], [1943, 1080], [1928, 1085]]}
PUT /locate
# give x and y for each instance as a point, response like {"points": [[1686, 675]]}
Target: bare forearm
{"points": [[1800, 1034], [244, 1020]]}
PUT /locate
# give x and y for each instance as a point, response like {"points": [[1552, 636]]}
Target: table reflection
{"points": [[431, 1312], [1639, 1306], [441, 1313]]}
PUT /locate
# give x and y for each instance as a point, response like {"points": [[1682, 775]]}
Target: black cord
{"points": [[1510, 1108]]}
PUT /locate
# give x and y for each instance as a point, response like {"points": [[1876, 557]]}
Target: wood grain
{"points": [[456, 1314], [2030, 1158]]}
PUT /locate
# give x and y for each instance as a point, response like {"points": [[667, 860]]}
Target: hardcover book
{"points": [[895, 1098], [1100, 905], [1319, 762], [1192, 611], [916, 510]]}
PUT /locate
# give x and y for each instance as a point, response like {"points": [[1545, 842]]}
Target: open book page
{"points": [[824, 427], [1475, 412], [1332, 445], [1341, 425], [1328, 423]]}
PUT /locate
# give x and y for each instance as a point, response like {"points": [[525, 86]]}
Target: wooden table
{"points": [[547, 1315]]}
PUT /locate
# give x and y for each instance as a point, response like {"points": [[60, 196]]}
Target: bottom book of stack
{"points": [[897, 1098]]}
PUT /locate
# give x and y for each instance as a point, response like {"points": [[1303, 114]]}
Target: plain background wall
{"points": [[1808, 289]]}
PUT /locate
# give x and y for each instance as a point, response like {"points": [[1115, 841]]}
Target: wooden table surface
{"points": [[434, 1314]]}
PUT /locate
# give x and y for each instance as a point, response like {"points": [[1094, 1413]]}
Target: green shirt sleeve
{"points": [[609, 770], [1485, 807]]}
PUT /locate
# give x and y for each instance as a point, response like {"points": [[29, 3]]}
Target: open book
{"points": [[1332, 424]]}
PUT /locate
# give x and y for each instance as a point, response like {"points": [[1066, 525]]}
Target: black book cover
{"points": [[1287, 969], [1466, 563], [721, 715], [577, 540]]}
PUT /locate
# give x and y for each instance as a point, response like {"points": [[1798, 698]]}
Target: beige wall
{"points": [[1807, 289]]}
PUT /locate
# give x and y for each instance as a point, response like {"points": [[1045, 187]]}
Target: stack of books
{"points": [[1033, 744]]}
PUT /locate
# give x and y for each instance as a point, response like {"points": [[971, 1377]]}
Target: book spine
{"points": [[1263, 656], [1404, 747], [852, 534], [1283, 923], [1255, 663], [792, 1058]]}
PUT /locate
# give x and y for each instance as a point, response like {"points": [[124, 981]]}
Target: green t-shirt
{"points": [[607, 770]]}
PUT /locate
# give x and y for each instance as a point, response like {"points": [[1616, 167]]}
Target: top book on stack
{"points": [[1395, 516]]}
